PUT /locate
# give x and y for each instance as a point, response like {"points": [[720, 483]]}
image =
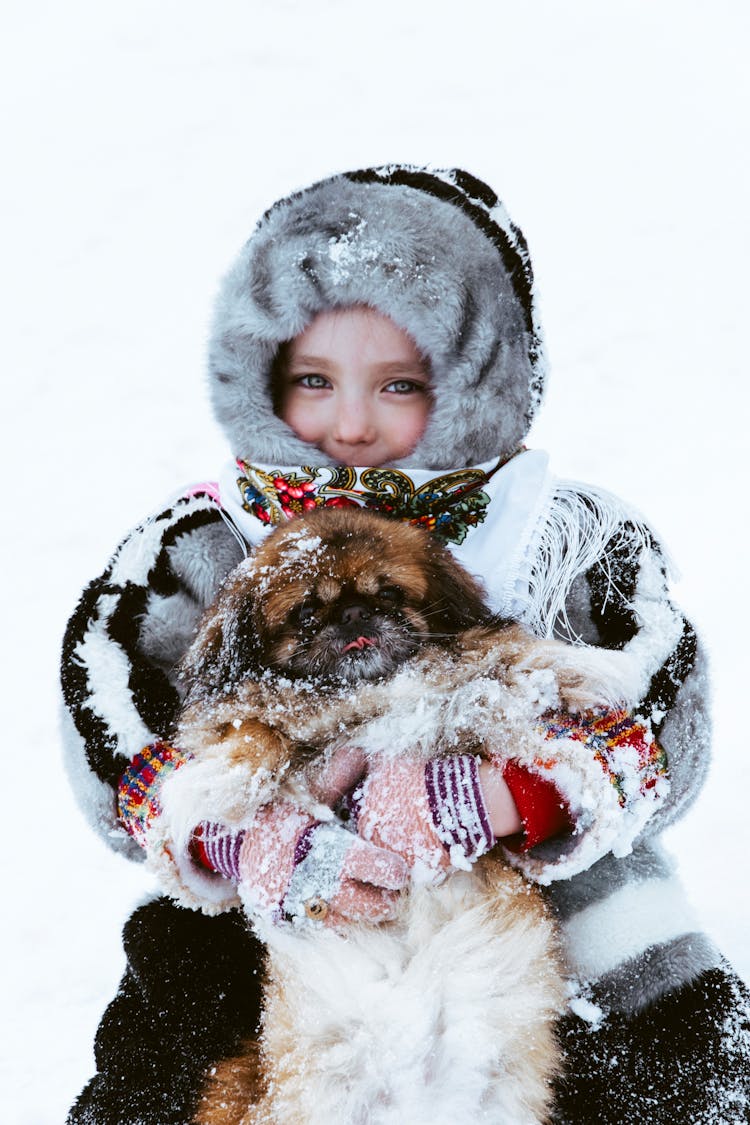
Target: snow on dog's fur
{"points": [[447, 1012]]}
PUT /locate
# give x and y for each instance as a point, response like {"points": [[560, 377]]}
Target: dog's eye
{"points": [[390, 595], [306, 613]]}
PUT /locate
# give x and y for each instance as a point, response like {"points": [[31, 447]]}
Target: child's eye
{"points": [[314, 381], [405, 387]]}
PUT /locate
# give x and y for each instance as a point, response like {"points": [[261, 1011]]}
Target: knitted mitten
{"points": [[433, 814], [138, 803], [293, 867], [287, 863]]}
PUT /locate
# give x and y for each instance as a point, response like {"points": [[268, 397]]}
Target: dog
{"points": [[345, 627]]}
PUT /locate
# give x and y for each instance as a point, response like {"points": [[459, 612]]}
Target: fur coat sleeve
{"points": [[622, 602], [628, 932], [626, 601], [129, 630]]}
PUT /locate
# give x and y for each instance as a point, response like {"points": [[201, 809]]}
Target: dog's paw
{"points": [[590, 678], [577, 677]]}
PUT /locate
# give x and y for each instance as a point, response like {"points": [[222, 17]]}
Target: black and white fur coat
{"points": [[437, 253]]}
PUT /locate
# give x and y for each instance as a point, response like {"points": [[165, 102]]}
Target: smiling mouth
{"points": [[359, 643]]}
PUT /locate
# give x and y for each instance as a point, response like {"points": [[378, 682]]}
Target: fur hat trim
{"points": [[435, 252]]}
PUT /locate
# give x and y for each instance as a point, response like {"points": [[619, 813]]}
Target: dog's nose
{"points": [[350, 614]]}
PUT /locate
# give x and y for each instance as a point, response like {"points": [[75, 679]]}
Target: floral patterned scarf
{"points": [[489, 515]]}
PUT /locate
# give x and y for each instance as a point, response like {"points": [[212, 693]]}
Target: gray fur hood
{"points": [[433, 250]]}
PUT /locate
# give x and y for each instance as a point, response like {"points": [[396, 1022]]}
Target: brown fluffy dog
{"points": [[345, 626]]}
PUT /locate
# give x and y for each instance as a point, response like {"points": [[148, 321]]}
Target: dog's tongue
{"points": [[361, 642]]}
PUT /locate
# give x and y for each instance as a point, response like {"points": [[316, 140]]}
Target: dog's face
{"points": [[340, 595]]}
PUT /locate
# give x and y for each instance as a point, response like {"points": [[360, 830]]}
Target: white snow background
{"points": [[141, 141]]}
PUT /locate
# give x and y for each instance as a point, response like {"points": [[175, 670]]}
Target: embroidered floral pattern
{"points": [[274, 497], [448, 506]]}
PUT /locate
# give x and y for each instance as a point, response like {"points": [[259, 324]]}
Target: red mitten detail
{"points": [[540, 805]]}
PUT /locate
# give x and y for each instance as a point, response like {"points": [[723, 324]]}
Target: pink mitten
{"points": [[431, 813], [292, 866]]}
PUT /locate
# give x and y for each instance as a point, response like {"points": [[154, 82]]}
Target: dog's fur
{"points": [[338, 628]]}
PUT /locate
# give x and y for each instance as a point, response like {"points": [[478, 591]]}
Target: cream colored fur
{"points": [[445, 1015]]}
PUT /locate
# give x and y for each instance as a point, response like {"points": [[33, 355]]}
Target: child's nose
{"points": [[353, 421]]}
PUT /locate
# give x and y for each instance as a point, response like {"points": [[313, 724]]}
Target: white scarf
{"points": [[522, 532]]}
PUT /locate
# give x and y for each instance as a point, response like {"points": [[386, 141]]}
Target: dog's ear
{"points": [[226, 649], [457, 600]]}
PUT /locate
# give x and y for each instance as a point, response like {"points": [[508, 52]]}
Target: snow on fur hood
{"points": [[435, 252]]}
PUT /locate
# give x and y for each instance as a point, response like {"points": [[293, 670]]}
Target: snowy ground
{"points": [[142, 140]]}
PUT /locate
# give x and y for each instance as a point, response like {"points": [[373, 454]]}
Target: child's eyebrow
{"points": [[315, 360], [392, 367], [399, 367]]}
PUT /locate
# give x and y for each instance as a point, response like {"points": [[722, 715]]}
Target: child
{"points": [[385, 319]]}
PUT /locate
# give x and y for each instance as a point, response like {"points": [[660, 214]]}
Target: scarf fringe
{"points": [[579, 530]]}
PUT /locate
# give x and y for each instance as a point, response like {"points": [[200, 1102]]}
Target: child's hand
{"points": [[292, 866], [330, 779], [433, 814]]}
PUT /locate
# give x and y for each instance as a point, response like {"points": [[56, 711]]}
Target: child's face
{"points": [[355, 386]]}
